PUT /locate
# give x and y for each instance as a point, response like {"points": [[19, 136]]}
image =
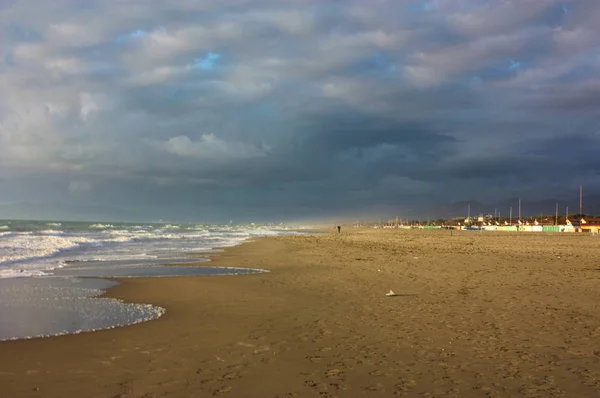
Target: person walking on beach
{"points": [[339, 229]]}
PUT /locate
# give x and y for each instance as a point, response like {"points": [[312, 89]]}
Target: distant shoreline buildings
{"points": [[577, 222], [574, 223]]}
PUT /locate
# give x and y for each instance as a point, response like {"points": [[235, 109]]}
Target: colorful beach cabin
{"points": [[590, 224], [573, 225]]}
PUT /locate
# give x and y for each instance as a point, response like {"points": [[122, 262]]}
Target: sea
{"points": [[51, 272]]}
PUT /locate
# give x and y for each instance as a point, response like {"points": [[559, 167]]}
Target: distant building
{"points": [[573, 225], [590, 224]]}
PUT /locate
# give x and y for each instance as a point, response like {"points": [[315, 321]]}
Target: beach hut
{"points": [[573, 225], [590, 224]]}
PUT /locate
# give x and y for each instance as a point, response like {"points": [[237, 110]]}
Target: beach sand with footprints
{"points": [[472, 315]]}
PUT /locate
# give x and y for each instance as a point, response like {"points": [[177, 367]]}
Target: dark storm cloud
{"points": [[205, 108]]}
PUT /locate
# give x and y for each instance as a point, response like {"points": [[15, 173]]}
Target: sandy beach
{"points": [[475, 315]]}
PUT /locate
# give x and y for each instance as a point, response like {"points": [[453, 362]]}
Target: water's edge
{"points": [[158, 311]]}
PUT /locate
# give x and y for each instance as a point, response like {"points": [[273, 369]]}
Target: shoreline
{"points": [[100, 297], [475, 315]]}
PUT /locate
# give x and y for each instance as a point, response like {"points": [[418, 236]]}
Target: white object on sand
{"points": [[391, 293]]}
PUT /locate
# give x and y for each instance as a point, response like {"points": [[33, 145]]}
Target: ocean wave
{"points": [[101, 226], [21, 273], [115, 257], [28, 247], [59, 265], [17, 247], [51, 232], [124, 234], [35, 250]]}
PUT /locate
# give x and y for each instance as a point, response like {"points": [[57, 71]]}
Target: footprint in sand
{"points": [[262, 350], [339, 386], [375, 387], [334, 374], [223, 390], [231, 376], [315, 358], [405, 385], [317, 385], [378, 372]]}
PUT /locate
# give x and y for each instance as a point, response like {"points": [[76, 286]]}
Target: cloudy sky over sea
{"points": [[294, 108]]}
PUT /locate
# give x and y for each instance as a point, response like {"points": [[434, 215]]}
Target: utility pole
{"points": [[580, 201], [496, 214], [556, 215], [510, 215], [519, 209]]}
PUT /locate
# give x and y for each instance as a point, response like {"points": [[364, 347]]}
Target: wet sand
{"points": [[476, 315]]}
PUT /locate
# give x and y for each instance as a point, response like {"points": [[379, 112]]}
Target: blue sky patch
{"points": [[136, 34], [207, 62], [421, 6]]}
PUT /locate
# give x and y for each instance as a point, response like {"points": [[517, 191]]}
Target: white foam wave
{"points": [[232, 272], [153, 313], [26, 246], [51, 232], [4, 226], [59, 264], [124, 235], [16, 248], [101, 226], [117, 257], [21, 273], [61, 306], [31, 251]]}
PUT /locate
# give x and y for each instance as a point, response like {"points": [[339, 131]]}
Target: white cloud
{"points": [[74, 35], [69, 65], [295, 22], [158, 75], [478, 18], [117, 88], [572, 41], [80, 187], [89, 105], [423, 76], [211, 147]]}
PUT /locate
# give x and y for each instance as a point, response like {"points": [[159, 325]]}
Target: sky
{"points": [[282, 110]]}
